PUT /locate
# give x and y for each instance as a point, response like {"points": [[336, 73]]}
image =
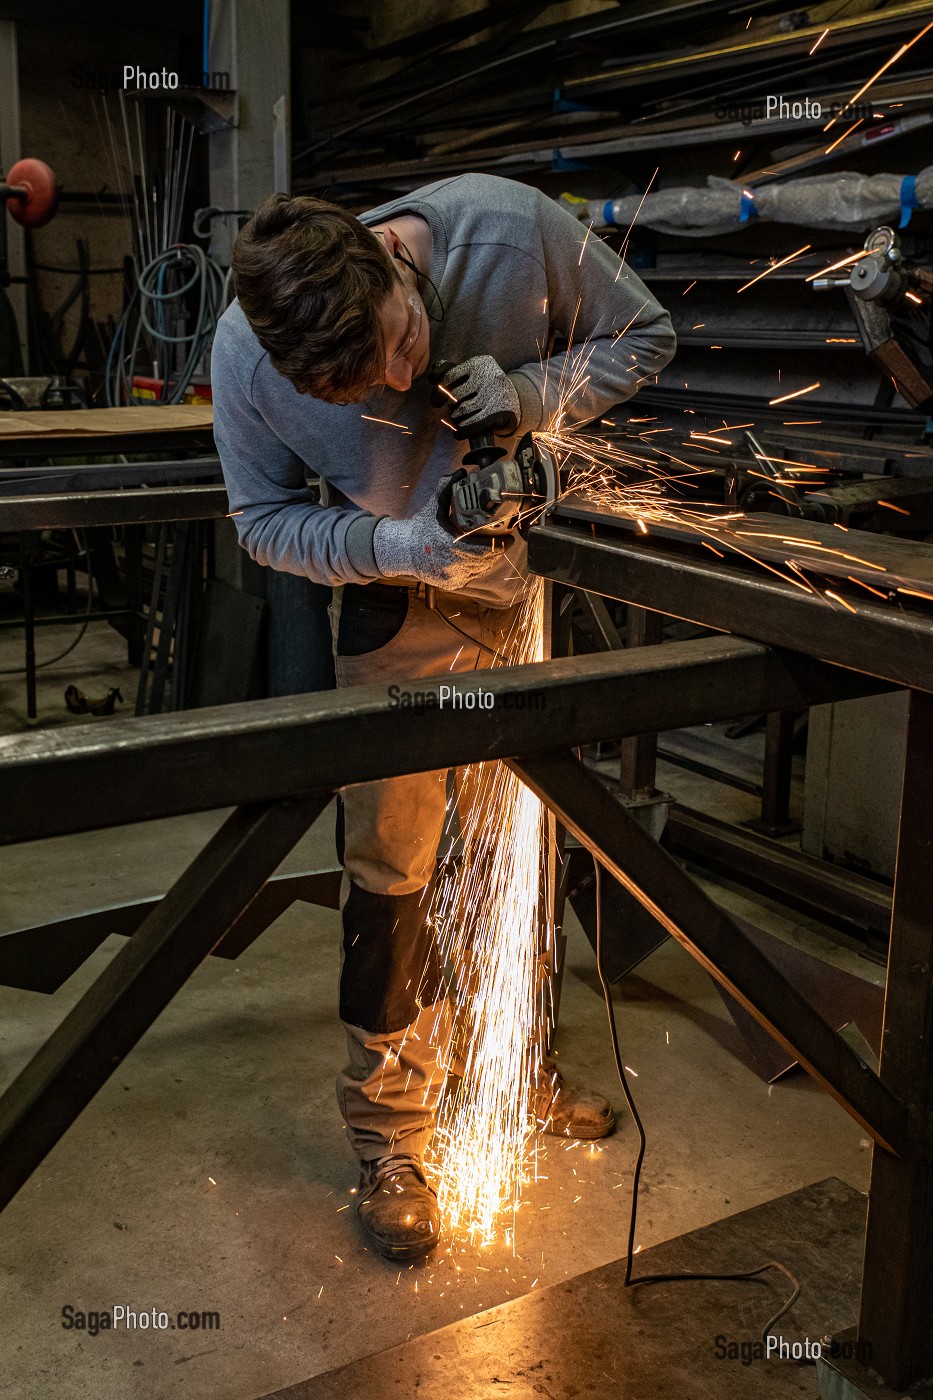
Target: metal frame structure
{"points": [[589, 549], [278, 762], [90, 495]]}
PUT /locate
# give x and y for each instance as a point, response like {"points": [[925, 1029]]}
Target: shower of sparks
{"points": [[875, 76], [491, 920], [490, 910]]}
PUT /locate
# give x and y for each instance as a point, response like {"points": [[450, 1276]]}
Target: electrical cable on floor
{"points": [[21, 670], [630, 1282]]}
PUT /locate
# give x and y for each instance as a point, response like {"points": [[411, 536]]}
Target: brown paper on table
{"points": [[97, 421]]}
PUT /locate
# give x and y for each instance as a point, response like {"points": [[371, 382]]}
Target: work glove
{"points": [[425, 548], [486, 398]]}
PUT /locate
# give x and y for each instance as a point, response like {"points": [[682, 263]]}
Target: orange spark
{"points": [[774, 266], [796, 394], [837, 599], [819, 41], [877, 591], [839, 139], [388, 422], [900, 509], [843, 262], [875, 76], [789, 462]]}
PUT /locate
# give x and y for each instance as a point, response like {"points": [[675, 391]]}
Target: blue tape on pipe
{"points": [[747, 208], [609, 217], [909, 200]]}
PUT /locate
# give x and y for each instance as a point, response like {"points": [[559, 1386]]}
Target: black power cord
{"points": [[629, 1281]]}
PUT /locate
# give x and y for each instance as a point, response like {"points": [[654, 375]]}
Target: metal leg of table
{"points": [[558, 606], [778, 772], [29, 624], [639, 756], [199, 910], [896, 1315], [133, 569]]}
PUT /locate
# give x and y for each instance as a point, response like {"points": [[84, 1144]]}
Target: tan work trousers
{"points": [[389, 1089]]}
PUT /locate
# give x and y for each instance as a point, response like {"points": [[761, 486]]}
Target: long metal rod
{"points": [[84, 1050], [680, 906], [197, 760]]}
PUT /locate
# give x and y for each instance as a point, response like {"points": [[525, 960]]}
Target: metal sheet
{"points": [[590, 1338]]}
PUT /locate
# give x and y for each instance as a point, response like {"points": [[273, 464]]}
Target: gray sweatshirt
{"points": [[513, 278]]}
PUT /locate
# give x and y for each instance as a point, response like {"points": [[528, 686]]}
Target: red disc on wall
{"points": [[41, 202]]}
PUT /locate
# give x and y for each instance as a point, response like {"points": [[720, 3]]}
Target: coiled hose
{"points": [[164, 289]]}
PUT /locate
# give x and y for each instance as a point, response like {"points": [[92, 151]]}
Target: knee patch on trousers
{"points": [[391, 966]]}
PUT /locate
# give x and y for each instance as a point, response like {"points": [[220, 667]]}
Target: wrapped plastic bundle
{"points": [[842, 201]]}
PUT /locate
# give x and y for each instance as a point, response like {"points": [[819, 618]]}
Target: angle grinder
{"points": [[499, 494]]}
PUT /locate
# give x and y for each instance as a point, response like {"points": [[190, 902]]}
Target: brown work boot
{"points": [[397, 1208], [567, 1111]]}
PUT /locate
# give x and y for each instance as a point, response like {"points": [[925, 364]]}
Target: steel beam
{"points": [[781, 872], [40, 958], [897, 1284], [881, 641], [142, 506], [202, 906], [62, 781], [680, 906], [98, 476]]}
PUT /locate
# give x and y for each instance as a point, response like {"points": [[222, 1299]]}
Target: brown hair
{"points": [[311, 280]]}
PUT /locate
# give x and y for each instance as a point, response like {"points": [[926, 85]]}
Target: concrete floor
{"points": [[211, 1171]]}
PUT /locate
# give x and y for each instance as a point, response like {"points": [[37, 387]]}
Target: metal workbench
{"points": [[278, 762]]}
